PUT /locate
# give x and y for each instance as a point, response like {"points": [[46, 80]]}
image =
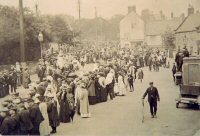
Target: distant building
{"points": [[155, 29], [188, 34], [131, 28]]}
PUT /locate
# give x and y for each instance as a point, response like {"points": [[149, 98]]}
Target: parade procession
{"points": [[67, 72]]}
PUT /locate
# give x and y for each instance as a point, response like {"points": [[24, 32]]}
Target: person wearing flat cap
{"points": [[15, 120], [36, 117], [153, 97], [24, 120], [5, 122]]}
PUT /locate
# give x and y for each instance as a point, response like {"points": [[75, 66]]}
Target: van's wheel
{"points": [[177, 104]]}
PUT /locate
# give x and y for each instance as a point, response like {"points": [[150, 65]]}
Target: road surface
{"points": [[123, 115]]}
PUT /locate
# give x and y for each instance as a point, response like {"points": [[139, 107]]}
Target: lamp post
{"points": [[40, 38]]}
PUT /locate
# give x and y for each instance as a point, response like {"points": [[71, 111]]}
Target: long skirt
{"points": [[103, 94], [92, 100], [64, 115], [2, 94]]}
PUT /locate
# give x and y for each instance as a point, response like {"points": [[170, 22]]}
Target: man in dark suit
{"points": [[36, 117], [153, 97], [25, 121]]}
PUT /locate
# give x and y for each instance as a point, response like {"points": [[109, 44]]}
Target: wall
{"points": [[188, 39], [154, 41], [131, 29]]}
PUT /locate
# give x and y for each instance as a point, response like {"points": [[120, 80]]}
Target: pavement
{"points": [[123, 115]]}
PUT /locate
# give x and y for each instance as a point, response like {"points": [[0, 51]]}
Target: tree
{"points": [[168, 38]]}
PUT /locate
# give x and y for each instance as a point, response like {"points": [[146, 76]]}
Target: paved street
{"points": [[122, 116]]}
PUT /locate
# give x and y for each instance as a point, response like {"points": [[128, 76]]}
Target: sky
{"points": [[106, 8]]}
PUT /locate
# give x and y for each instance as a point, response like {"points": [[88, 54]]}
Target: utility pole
{"points": [[22, 46], [79, 15], [36, 9], [96, 21]]}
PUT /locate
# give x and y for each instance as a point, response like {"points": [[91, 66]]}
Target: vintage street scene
{"points": [[100, 67]]}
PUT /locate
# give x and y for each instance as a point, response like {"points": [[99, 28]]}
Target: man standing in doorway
{"points": [[153, 97]]}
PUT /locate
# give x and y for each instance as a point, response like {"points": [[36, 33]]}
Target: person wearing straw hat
{"points": [[84, 103], [44, 125]]}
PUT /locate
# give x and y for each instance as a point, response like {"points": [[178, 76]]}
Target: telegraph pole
{"points": [[22, 46], [79, 16], [96, 21], [36, 9]]}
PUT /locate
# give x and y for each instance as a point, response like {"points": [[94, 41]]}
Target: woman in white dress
{"points": [[122, 89], [44, 125]]}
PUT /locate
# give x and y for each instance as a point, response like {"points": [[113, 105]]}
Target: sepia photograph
{"points": [[100, 67]]}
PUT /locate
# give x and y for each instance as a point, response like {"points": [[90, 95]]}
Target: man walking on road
{"points": [[153, 97]]}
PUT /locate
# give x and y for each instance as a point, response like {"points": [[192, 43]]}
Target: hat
{"points": [[13, 108], [21, 105], [50, 95], [17, 101], [8, 100], [4, 104], [37, 95], [151, 83], [16, 94], [48, 88], [37, 82], [101, 74], [5, 109]]}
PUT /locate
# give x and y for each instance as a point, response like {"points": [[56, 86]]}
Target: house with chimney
{"points": [[188, 32], [132, 28], [155, 29]]}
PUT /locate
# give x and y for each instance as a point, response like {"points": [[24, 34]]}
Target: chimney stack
{"points": [[172, 15], [190, 9], [131, 9]]}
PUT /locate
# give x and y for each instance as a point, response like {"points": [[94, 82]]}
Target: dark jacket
{"points": [[25, 120], [53, 114], [8, 126], [153, 94], [36, 115]]}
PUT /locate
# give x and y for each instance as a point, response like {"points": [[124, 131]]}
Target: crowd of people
{"points": [[62, 90]]}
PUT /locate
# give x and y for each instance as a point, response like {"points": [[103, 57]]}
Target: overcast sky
{"points": [[106, 8]]}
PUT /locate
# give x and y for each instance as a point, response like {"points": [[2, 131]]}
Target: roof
{"points": [[133, 13], [189, 24], [158, 27]]}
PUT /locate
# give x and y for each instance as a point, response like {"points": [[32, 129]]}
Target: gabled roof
{"points": [[158, 27], [189, 24], [130, 15]]}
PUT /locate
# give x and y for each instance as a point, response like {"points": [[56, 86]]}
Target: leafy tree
{"points": [[168, 38]]}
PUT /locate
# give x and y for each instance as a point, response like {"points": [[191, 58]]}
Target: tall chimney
{"points": [[131, 9], [190, 9]]}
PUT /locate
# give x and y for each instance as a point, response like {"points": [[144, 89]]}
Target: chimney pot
{"points": [[190, 9], [131, 9]]}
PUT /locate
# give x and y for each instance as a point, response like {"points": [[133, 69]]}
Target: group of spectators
{"points": [[64, 89]]}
